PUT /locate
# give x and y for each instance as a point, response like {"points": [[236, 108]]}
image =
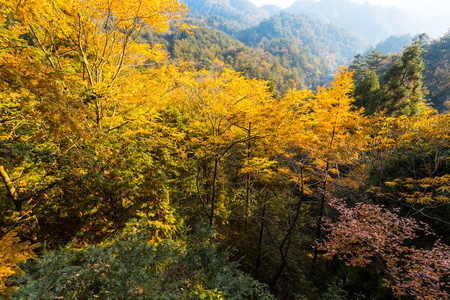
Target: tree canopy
{"points": [[129, 175]]}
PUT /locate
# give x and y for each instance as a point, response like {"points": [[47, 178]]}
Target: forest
{"points": [[134, 169]]}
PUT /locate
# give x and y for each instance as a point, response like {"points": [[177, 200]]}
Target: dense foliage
{"points": [[280, 60], [421, 56], [437, 71], [128, 176]]}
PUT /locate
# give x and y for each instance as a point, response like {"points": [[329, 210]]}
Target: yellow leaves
{"points": [[139, 13], [261, 168], [95, 39], [421, 142], [12, 251], [441, 198], [325, 120], [186, 27], [140, 53]]}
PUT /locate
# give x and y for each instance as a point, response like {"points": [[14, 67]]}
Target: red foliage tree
{"points": [[369, 234]]}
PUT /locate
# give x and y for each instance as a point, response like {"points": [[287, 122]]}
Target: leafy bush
{"points": [[130, 267]]}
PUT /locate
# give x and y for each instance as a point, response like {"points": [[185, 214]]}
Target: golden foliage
{"points": [[12, 252]]}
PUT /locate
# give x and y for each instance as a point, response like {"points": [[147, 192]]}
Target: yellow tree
{"points": [[328, 139], [86, 49], [316, 139], [12, 252], [74, 84], [228, 111], [409, 166]]}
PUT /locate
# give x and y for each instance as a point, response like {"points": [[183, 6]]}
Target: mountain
{"points": [[393, 44], [272, 9], [374, 23], [242, 12], [334, 44], [282, 61], [264, 43]]}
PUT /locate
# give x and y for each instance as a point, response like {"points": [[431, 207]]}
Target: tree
{"points": [[358, 67], [368, 234], [227, 111], [437, 71], [78, 111], [375, 62], [402, 89], [323, 143], [12, 252], [367, 93]]}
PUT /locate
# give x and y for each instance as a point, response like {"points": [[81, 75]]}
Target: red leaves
{"points": [[370, 234]]}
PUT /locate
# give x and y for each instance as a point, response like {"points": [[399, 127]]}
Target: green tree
{"points": [[367, 93], [375, 61], [403, 92], [437, 72], [358, 67]]}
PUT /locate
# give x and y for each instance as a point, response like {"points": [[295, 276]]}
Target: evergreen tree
{"points": [[437, 71], [367, 93], [359, 68], [402, 89], [375, 61]]}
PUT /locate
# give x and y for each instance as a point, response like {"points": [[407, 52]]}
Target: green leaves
{"points": [[130, 266]]}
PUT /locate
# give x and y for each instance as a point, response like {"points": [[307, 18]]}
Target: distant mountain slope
{"points": [[243, 12], [283, 61], [374, 23], [272, 9], [394, 44], [336, 45]]}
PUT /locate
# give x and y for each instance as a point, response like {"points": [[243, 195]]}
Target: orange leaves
{"points": [[12, 251]]}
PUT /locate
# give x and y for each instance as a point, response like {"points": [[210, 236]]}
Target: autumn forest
{"points": [[141, 161]]}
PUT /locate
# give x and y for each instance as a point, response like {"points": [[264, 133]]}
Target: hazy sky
{"points": [[430, 16]]}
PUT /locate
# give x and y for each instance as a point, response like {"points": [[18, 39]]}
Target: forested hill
{"points": [[280, 61], [372, 22], [327, 41], [241, 12], [291, 50], [393, 44], [437, 71], [431, 63]]}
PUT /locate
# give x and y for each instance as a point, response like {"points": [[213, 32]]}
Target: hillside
{"points": [[393, 44], [326, 41], [242, 12], [437, 71], [433, 64], [280, 60], [374, 23]]}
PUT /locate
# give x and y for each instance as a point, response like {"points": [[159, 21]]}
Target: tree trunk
{"points": [[10, 187]]}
